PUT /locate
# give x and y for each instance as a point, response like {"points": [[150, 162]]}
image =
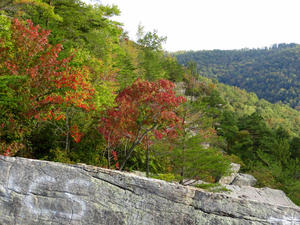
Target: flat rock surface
{"points": [[34, 192], [263, 195]]}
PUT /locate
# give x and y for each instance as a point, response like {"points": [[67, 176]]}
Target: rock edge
{"points": [[40, 192]]}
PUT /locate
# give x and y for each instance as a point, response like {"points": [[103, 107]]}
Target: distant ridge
{"points": [[273, 73]]}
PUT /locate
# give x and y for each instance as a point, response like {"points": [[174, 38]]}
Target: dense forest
{"points": [[255, 133], [272, 73], [75, 89]]}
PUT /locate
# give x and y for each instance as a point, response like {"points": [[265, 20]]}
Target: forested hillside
{"points": [[276, 115], [263, 137], [272, 73], [74, 88]]}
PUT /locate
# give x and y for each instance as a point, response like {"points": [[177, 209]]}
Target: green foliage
{"points": [[151, 64], [128, 63], [272, 73], [30, 9], [295, 147], [58, 155], [170, 177], [243, 103], [151, 55], [8, 98], [193, 161], [174, 71], [5, 32], [253, 132], [150, 40], [138, 160], [92, 29], [221, 123], [293, 190], [266, 153]]}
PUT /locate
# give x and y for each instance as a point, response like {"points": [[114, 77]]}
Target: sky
{"points": [[213, 24]]}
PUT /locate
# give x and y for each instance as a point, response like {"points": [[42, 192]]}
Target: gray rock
{"points": [[34, 192], [244, 180], [139, 173], [228, 179], [180, 88], [192, 182], [263, 195]]}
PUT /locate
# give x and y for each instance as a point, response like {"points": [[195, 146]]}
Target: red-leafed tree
{"points": [[50, 86], [142, 109]]}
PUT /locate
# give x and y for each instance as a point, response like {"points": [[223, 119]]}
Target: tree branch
{"points": [[136, 142]]}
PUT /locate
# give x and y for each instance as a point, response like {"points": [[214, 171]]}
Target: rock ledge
{"points": [[39, 192]]}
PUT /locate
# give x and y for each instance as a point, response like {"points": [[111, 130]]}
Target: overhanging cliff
{"points": [[34, 192]]}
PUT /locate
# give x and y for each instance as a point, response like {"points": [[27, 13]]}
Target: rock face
{"points": [[242, 179], [236, 178], [228, 179], [271, 196], [36, 192]]}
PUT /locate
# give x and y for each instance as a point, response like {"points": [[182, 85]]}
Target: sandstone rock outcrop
{"points": [[34, 192]]}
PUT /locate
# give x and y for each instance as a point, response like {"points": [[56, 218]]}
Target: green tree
{"points": [[142, 109], [192, 160], [295, 147], [151, 55]]}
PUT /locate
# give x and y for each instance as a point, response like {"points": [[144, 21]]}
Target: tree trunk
{"points": [[183, 150], [108, 158], [135, 143], [147, 159], [67, 146]]}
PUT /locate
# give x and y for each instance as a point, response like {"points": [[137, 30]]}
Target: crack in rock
{"points": [[38, 192]]}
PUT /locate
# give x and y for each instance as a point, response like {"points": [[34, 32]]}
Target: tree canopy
{"points": [[75, 89], [272, 73]]}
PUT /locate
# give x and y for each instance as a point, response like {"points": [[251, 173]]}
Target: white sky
{"points": [[213, 24]]}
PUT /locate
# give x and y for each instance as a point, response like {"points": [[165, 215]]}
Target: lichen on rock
{"points": [[40, 193]]}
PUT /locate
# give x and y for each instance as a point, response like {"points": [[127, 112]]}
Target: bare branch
{"points": [[136, 142]]}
